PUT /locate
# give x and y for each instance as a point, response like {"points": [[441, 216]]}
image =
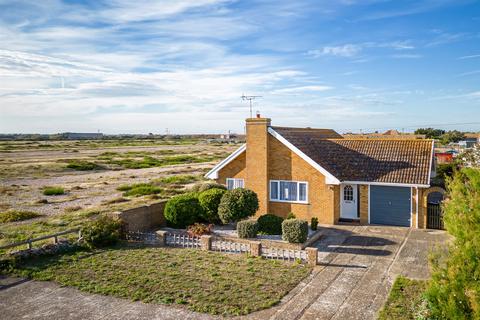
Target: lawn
{"points": [[202, 281], [405, 300]]}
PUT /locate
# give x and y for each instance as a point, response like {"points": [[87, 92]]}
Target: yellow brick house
{"points": [[319, 173]]}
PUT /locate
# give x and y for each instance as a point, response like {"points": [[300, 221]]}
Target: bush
{"points": [[270, 224], [15, 215], [291, 215], [82, 165], [210, 200], [294, 230], [237, 204], [101, 232], [199, 229], [201, 187], [314, 223], [247, 229], [139, 189], [454, 291], [183, 210], [53, 191]]}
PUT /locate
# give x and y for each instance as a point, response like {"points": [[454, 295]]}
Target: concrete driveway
{"points": [[357, 266]]}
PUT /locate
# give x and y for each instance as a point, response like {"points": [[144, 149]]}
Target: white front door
{"points": [[348, 201]]}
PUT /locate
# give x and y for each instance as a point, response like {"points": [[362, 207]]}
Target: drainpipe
{"points": [[416, 206]]}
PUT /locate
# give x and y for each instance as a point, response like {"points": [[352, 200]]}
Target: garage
{"points": [[390, 205]]}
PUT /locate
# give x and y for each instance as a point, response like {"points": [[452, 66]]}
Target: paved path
{"points": [[357, 267]]}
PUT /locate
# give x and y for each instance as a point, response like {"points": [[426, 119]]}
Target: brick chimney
{"points": [[257, 160]]}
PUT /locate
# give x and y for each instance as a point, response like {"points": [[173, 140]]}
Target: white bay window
{"points": [[288, 191], [234, 183]]}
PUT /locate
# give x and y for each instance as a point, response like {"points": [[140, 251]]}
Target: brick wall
{"points": [[363, 204], [235, 169], [143, 218]]}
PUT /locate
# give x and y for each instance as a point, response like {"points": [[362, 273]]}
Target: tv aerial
{"points": [[250, 98]]}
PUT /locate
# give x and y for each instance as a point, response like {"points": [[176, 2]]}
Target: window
{"points": [[348, 193], [234, 183], [288, 191]]}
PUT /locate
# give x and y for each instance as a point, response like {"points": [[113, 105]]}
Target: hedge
{"points": [[247, 229], [294, 230], [183, 210], [210, 200], [270, 224], [237, 204]]}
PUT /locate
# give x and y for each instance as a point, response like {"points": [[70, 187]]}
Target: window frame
{"points": [[288, 201], [348, 190], [235, 179]]}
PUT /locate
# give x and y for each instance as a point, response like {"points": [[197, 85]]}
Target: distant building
{"points": [[82, 136], [389, 134], [470, 140]]}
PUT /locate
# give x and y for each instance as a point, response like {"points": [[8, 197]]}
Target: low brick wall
{"points": [[143, 218]]}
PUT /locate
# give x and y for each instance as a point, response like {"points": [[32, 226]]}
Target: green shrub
{"points": [[291, 215], [294, 230], [101, 232], [201, 187], [237, 204], [179, 179], [247, 229], [210, 200], [139, 189], [270, 224], [183, 210], [53, 191], [82, 165], [16, 215], [454, 291], [314, 223]]}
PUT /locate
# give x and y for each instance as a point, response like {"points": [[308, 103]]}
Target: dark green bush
{"points": [[454, 291], [16, 215], [237, 204], [183, 210], [314, 223], [270, 224], [53, 191], [82, 165], [201, 187], [210, 200], [291, 215], [294, 230], [101, 232], [247, 229]]}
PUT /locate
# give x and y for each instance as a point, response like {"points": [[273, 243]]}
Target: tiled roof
{"points": [[369, 160]]}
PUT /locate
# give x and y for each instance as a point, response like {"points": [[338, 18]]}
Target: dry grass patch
{"points": [[17, 215]]}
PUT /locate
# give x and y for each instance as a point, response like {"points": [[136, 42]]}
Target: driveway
{"points": [[357, 266]]}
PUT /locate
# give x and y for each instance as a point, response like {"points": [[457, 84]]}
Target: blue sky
{"points": [[144, 66]]}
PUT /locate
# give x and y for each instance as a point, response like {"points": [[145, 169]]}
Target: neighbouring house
{"points": [[444, 157], [470, 140], [319, 173]]}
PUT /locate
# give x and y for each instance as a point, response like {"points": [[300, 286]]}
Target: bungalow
{"points": [[319, 173]]}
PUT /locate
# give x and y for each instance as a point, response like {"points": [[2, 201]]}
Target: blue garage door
{"points": [[390, 206]]}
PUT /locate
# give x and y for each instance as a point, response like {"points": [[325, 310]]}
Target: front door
{"points": [[349, 205]]}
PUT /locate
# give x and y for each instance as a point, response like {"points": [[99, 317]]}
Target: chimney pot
{"points": [[258, 114]]}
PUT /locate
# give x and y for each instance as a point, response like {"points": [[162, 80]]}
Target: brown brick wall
{"points": [[363, 204], [235, 169], [286, 165]]}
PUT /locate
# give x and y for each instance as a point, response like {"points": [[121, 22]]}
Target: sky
{"points": [[127, 66]]}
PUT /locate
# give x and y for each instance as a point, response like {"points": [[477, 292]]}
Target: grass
{"points": [[179, 179], [81, 165], [139, 189], [53, 191], [202, 281], [17, 215], [405, 300]]}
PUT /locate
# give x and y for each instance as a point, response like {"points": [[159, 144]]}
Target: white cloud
{"points": [[469, 57], [302, 89], [347, 50]]}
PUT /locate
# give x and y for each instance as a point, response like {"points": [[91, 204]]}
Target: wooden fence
{"points": [[30, 242]]}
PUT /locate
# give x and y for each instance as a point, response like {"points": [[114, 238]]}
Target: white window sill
{"points": [[286, 201]]}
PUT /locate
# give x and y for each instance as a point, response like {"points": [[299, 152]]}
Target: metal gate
{"points": [[434, 216]]}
